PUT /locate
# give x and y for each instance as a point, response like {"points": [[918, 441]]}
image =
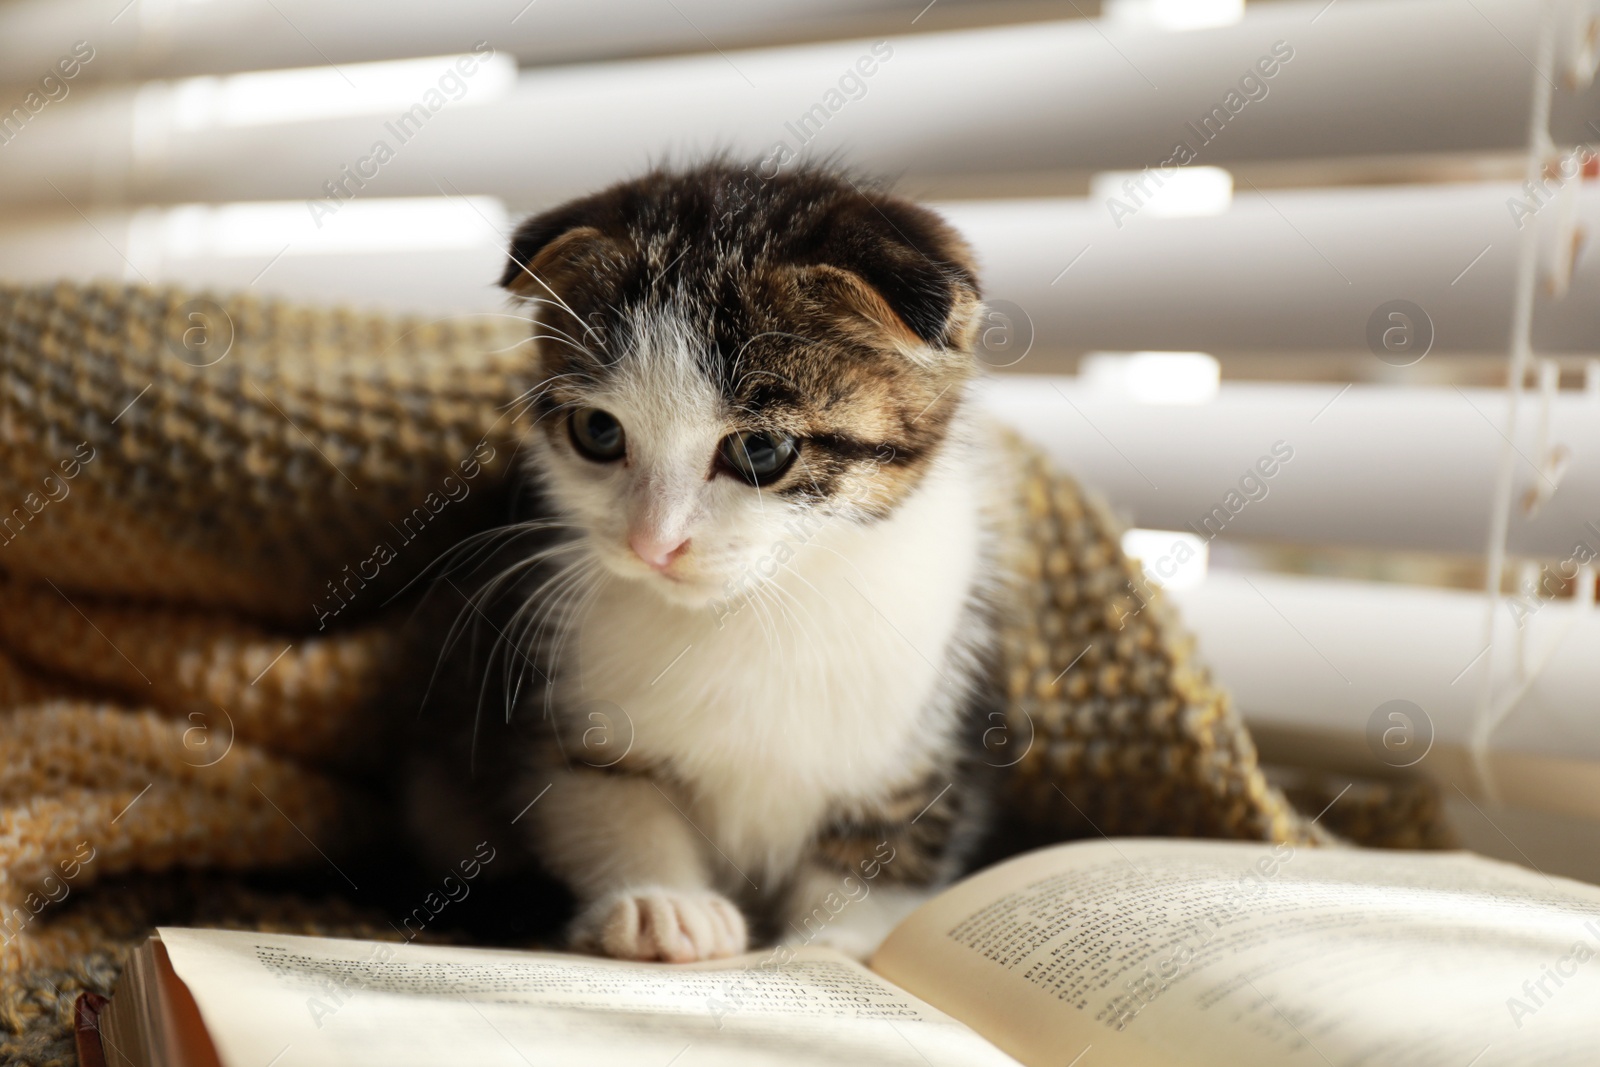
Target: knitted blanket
{"points": [[206, 505]]}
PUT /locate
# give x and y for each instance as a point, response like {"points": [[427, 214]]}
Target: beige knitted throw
{"points": [[193, 643]]}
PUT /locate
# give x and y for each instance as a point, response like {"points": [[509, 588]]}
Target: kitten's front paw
{"points": [[674, 925]]}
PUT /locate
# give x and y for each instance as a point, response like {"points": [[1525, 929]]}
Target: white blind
{"points": [[1268, 184]]}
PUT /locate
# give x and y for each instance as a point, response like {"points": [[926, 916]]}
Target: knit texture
{"points": [[195, 648]]}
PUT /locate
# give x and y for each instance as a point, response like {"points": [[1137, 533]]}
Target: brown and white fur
{"points": [[758, 706]]}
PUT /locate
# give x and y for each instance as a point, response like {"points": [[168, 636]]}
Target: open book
{"points": [[1130, 952]]}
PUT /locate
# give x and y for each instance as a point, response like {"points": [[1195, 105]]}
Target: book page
{"points": [[1166, 952], [326, 1002]]}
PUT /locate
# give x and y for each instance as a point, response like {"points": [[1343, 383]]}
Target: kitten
{"points": [[758, 622]]}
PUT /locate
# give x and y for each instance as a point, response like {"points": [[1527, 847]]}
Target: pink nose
{"points": [[658, 553]]}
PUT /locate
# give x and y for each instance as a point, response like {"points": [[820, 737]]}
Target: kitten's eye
{"points": [[597, 435], [757, 456]]}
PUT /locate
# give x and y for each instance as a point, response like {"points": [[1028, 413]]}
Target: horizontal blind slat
{"points": [[1291, 271], [1360, 644], [1369, 77], [1378, 466], [165, 40], [1288, 273]]}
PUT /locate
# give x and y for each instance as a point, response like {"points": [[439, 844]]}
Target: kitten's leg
{"points": [[638, 868], [846, 912], [877, 862]]}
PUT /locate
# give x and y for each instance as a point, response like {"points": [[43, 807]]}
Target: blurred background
{"points": [[1301, 287]]}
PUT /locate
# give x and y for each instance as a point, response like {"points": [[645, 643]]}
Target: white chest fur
{"points": [[823, 685]]}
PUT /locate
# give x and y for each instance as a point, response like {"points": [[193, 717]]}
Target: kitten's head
{"points": [[721, 354]]}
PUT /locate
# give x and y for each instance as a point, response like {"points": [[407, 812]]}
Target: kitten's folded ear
{"points": [[550, 252], [917, 266]]}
